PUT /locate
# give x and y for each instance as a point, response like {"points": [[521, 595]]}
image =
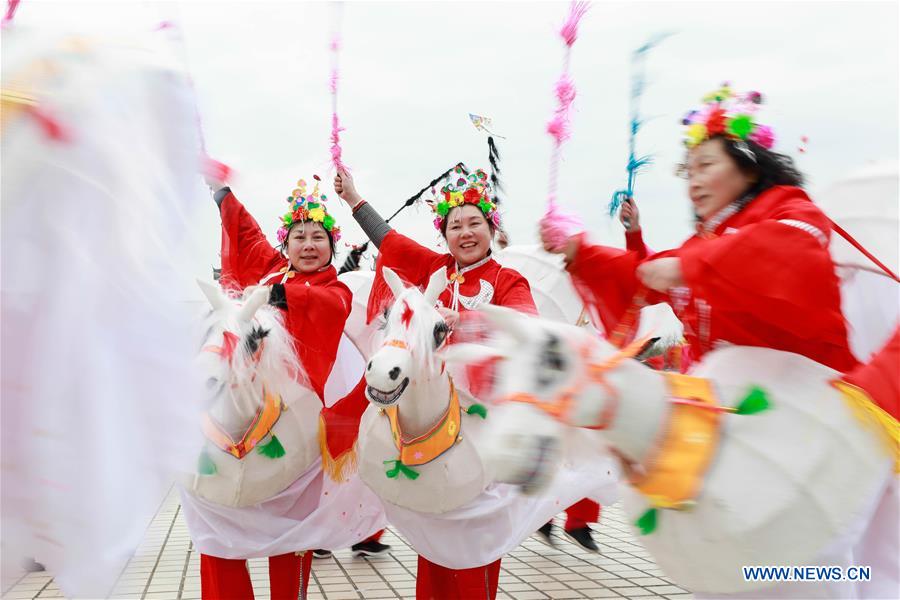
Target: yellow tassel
{"points": [[873, 416], [341, 468]]}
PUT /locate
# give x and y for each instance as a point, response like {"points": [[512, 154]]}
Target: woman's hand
{"points": [[346, 189], [661, 274], [630, 216], [451, 317], [214, 184]]}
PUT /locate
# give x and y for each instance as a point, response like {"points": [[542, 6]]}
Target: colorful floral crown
{"points": [[472, 189], [727, 114], [307, 208]]}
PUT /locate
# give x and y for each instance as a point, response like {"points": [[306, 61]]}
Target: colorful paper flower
{"points": [[729, 114], [763, 135], [740, 126], [696, 133]]}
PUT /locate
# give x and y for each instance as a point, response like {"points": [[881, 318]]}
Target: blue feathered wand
{"points": [[637, 89]]}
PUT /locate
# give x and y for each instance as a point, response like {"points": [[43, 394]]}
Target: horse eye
{"points": [[212, 383], [440, 333]]}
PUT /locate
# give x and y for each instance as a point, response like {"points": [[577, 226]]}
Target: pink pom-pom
{"points": [[557, 225], [764, 136], [569, 30], [559, 129], [281, 235], [437, 223], [565, 92]]}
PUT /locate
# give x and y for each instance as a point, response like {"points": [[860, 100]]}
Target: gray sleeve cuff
{"points": [[220, 195], [374, 226]]}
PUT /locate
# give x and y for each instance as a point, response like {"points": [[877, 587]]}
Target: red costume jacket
{"points": [[317, 303], [486, 281], [762, 277]]}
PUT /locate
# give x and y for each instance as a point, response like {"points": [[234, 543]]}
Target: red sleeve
{"points": [[413, 262], [606, 279], [769, 273], [513, 291], [247, 255], [880, 378], [315, 317], [634, 240]]}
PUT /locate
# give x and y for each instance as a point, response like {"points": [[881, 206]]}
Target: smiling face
{"points": [[308, 247], [468, 234], [714, 178]]}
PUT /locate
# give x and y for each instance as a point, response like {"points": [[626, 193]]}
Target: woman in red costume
{"points": [[467, 219], [304, 285], [756, 273]]}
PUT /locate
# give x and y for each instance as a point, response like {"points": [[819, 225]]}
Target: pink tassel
{"points": [[569, 31]]}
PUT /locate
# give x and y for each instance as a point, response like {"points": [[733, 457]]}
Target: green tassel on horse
{"points": [[272, 448], [205, 464]]}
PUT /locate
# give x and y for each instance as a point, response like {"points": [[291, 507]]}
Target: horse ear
{"points": [[436, 285], [257, 298], [213, 294], [506, 320], [393, 281], [469, 353]]}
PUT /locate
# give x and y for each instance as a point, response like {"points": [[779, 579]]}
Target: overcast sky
{"points": [[412, 71]]}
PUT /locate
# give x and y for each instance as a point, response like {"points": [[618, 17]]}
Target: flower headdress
{"points": [[727, 114], [305, 207], [466, 189]]}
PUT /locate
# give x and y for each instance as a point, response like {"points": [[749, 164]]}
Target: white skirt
{"points": [[501, 518], [313, 512]]}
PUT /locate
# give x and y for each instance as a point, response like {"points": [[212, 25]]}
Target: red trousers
{"points": [[581, 513], [434, 582], [229, 579]]}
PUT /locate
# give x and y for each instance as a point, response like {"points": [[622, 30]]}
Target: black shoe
{"points": [[583, 538], [319, 553], [545, 533], [370, 549]]}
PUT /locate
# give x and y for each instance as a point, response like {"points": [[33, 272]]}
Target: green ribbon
{"points": [[398, 469]]}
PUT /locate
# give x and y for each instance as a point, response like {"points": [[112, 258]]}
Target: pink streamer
{"points": [[336, 129], [560, 130], [209, 166]]}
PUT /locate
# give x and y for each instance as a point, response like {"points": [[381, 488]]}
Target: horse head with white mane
{"points": [[760, 457], [421, 442], [261, 422]]}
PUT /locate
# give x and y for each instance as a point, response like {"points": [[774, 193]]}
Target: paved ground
{"points": [[166, 566]]}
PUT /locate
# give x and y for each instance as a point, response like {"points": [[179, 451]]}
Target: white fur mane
{"points": [[278, 368]]}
